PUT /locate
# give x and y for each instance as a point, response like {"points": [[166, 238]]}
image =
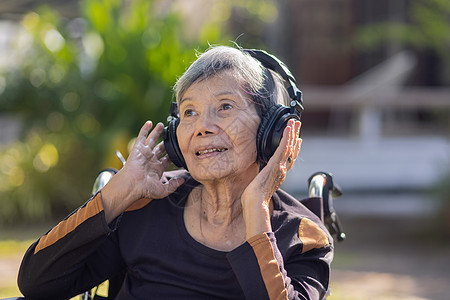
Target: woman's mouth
{"points": [[210, 150]]}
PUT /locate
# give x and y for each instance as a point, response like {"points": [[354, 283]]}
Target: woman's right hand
{"points": [[141, 175]]}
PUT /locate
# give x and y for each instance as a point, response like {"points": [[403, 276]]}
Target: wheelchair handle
{"points": [[321, 185]]}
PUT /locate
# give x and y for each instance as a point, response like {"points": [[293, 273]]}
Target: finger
{"points": [[294, 148], [297, 127], [152, 138], [282, 153], [290, 140], [145, 129], [293, 135], [159, 150], [293, 143], [165, 161], [297, 141], [294, 154]]}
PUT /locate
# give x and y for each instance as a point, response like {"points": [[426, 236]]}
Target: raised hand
{"points": [[141, 175], [146, 164], [256, 197]]}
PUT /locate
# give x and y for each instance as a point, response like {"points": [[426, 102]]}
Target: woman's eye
{"points": [[226, 106], [189, 113]]}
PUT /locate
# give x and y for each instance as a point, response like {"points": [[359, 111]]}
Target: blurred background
{"points": [[78, 78]]}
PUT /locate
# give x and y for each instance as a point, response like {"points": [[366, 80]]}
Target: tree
{"points": [[82, 89]]}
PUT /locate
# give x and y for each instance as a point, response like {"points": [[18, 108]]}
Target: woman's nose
{"points": [[206, 124]]}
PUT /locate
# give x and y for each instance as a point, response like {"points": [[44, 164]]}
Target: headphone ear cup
{"points": [[171, 144], [270, 131]]}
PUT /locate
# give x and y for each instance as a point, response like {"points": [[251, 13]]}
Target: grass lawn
{"points": [[14, 241], [11, 253]]}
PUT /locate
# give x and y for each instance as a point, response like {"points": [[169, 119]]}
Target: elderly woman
{"points": [[221, 230]]}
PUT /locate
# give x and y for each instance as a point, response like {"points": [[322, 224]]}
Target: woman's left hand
{"points": [[256, 197]]}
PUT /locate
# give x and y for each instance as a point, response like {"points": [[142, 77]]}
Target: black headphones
{"points": [[272, 125]]}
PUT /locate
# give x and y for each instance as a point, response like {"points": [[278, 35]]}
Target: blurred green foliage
{"points": [[427, 27], [82, 88]]}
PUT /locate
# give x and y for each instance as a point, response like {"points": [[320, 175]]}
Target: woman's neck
{"points": [[213, 213], [220, 205], [220, 200], [215, 221]]}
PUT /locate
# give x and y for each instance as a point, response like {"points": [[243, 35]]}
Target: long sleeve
{"points": [[163, 261], [302, 274], [74, 256]]}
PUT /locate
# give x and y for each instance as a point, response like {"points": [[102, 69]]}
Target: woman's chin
{"points": [[221, 171], [212, 173]]}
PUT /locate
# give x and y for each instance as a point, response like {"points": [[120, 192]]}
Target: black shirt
{"points": [[150, 245]]}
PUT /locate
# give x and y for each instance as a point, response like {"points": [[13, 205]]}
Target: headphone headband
{"points": [[271, 62]]}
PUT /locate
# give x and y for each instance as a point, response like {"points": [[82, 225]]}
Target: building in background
{"points": [[379, 119]]}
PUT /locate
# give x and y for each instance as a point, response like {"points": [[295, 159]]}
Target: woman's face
{"points": [[217, 130]]}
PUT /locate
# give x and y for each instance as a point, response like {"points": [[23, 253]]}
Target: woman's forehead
{"points": [[221, 84]]}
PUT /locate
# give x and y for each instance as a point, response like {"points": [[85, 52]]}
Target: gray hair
{"points": [[255, 79]]}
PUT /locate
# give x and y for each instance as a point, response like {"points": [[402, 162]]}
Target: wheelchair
{"points": [[321, 194]]}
